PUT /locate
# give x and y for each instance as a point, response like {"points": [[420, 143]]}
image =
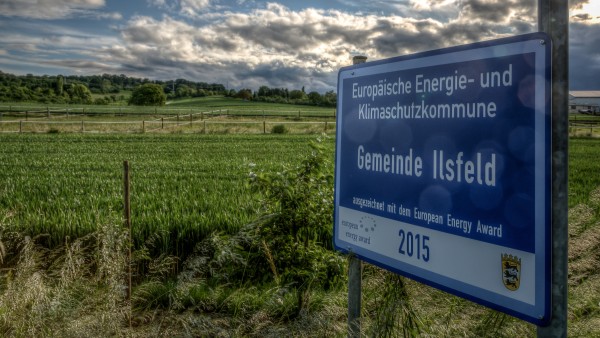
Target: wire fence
{"points": [[167, 124], [95, 119], [587, 129], [49, 111], [36, 119]]}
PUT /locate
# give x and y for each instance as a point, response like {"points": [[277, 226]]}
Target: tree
{"points": [[297, 95], [183, 91], [80, 94], [314, 98], [245, 94], [329, 99], [148, 94], [105, 86], [264, 91], [59, 85]]}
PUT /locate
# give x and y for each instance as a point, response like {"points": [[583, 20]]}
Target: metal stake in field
{"points": [[553, 19], [354, 272]]}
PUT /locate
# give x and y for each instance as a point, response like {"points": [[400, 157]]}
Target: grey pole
{"points": [[354, 295], [553, 19], [354, 272]]}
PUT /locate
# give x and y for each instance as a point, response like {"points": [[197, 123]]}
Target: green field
{"points": [[183, 186], [225, 105], [208, 115], [186, 186], [584, 166]]}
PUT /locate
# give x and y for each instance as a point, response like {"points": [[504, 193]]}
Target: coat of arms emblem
{"points": [[511, 271]]}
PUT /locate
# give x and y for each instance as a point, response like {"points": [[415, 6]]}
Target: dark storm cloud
{"points": [[276, 46], [497, 10], [584, 57]]}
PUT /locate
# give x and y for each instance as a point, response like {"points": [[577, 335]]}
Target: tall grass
{"points": [[74, 290], [583, 166], [75, 286], [183, 186]]}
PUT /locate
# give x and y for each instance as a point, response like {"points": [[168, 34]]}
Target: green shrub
{"points": [[293, 238], [279, 129]]}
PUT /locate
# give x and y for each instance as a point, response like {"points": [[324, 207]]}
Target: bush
{"points": [[294, 235], [289, 245], [148, 94], [279, 129]]}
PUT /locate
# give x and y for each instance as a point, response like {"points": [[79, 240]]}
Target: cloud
{"points": [[277, 46], [55, 9], [192, 7], [584, 56], [498, 11], [186, 8], [585, 12], [282, 47], [46, 38]]}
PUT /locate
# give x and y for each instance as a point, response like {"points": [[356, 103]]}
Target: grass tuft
{"points": [[74, 290]]}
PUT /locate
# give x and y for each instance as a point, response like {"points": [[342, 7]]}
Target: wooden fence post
{"points": [[127, 214]]}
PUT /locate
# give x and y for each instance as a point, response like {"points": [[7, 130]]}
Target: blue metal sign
{"points": [[443, 170]]}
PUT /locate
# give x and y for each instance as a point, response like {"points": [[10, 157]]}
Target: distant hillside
{"points": [[89, 89], [115, 89]]}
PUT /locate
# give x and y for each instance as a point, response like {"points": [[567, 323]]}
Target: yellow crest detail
{"points": [[511, 271]]}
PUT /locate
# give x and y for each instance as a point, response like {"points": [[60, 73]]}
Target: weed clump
{"points": [[279, 129], [75, 290]]}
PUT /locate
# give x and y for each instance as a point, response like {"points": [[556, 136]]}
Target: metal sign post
{"points": [[553, 19], [355, 273]]}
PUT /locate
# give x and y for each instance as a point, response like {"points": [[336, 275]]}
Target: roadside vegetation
{"points": [[231, 225], [232, 237]]}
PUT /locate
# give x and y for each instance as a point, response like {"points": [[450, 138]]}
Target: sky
{"points": [[251, 43]]}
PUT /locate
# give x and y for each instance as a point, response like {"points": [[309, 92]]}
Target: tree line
{"points": [[112, 89], [283, 95]]}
